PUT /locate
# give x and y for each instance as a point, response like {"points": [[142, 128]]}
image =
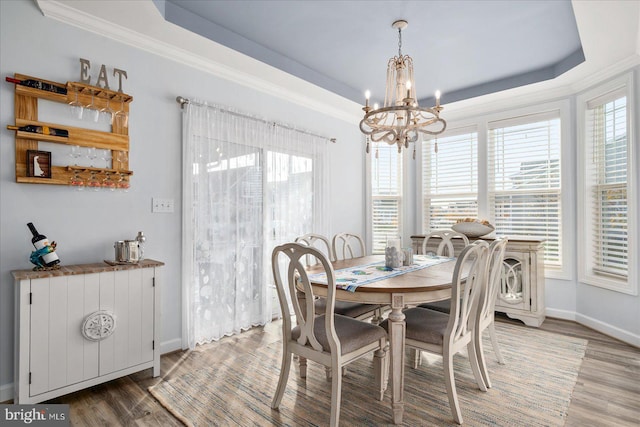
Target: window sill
{"points": [[624, 287]]}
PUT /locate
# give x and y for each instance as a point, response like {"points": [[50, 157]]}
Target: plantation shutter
{"points": [[607, 160], [386, 194], [449, 179], [524, 179]]}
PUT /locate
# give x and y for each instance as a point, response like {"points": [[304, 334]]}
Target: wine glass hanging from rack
{"points": [[101, 99]]}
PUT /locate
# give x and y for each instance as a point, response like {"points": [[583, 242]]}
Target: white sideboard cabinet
{"points": [[522, 284], [83, 325]]}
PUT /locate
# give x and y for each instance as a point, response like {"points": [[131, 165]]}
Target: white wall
{"points": [[85, 224]]}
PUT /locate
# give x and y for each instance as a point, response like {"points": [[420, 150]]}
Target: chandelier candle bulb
{"points": [[367, 95], [438, 99]]}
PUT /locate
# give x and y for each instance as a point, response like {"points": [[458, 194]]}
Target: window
{"points": [[386, 195], [288, 196], [449, 179], [524, 177], [606, 191]]}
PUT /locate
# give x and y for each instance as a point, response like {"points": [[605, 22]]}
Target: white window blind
{"points": [[524, 179], [449, 179], [607, 187], [386, 195]]}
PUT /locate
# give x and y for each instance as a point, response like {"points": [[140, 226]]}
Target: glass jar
{"points": [[393, 254]]}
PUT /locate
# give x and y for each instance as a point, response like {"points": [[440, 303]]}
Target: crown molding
{"points": [[278, 84], [613, 70], [571, 84]]}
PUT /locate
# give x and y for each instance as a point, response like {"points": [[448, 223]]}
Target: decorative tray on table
{"points": [[472, 227]]}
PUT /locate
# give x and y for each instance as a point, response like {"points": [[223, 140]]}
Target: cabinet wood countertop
{"points": [[70, 270]]}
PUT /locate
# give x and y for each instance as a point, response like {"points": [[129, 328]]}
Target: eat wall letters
{"points": [[102, 81]]}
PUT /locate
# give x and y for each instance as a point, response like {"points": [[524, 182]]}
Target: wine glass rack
{"points": [[26, 113]]}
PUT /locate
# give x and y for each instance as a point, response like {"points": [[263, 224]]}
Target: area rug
{"points": [[533, 388]]}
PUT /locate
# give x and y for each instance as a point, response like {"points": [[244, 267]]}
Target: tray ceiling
{"points": [[463, 48]]}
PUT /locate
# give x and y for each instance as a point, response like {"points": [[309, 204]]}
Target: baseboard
{"points": [[596, 325], [610, 330], [171, 345], [6, 393], [560, 314]]}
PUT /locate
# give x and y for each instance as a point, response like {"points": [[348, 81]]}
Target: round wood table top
{"points": [[428, 284]]}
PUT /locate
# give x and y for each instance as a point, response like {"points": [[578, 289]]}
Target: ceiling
{"points": [[463, 48]]}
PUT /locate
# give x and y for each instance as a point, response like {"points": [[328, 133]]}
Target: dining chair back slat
{"points": [[465, 293], [445, 240], [297, 277], [319, 242], [486, 312], [347, 246]]}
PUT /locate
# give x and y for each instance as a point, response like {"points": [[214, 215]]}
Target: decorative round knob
{"points": [[98, 325]]}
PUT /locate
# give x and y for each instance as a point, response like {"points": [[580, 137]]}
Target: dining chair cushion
{"points": [[443, 306], [345, 308], [353, 334], [424, 325]]}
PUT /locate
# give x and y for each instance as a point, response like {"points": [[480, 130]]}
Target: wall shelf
{"points": [[26, 113]]}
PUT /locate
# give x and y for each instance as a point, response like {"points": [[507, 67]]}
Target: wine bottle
{"points": [[38, 84], [40, 241], [45, 130]]}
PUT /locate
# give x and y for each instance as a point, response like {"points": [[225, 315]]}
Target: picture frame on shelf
{"points": [[39, 164]]}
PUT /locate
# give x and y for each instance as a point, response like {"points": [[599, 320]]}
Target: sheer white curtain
{"points": [[248, 185]]}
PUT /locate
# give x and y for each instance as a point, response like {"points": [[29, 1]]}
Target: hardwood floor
{"points": [[607, 392]]}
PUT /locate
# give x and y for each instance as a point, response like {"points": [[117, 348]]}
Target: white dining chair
{"points": [[355, 310], [319, 242], [486, 311], [347, 246], [446, 238], [447, 334], [326, 338]]}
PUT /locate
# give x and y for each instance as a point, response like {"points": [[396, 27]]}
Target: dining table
{"points": [[401, 288]]}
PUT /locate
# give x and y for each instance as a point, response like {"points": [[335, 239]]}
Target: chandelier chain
{"points": [[399, 42]]}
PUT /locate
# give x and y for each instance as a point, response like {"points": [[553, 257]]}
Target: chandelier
{"points": [[401, 120]]}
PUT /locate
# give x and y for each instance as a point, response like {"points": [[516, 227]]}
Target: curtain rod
{"points": [[182, 101]]}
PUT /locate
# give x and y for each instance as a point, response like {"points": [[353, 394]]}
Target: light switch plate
{"points": [[159, 205]]}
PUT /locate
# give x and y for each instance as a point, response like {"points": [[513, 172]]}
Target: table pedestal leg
{"points": [[397, 330]]}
